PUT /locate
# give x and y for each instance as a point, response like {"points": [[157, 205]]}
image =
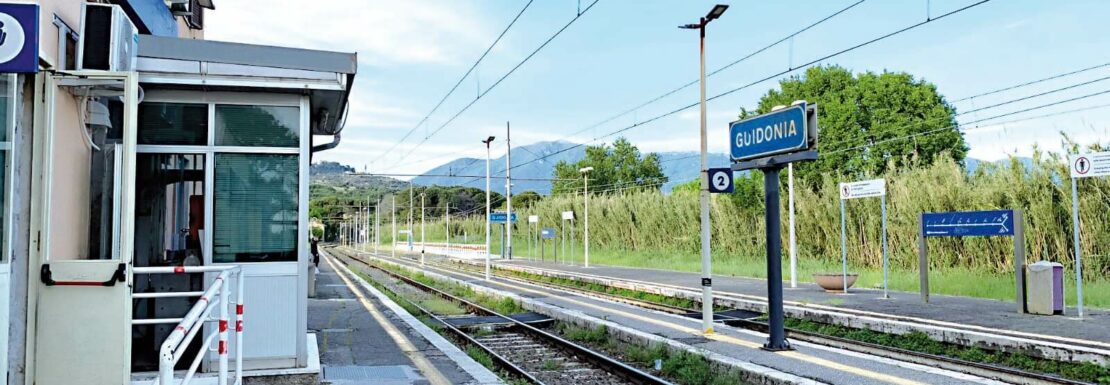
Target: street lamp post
{"points": [[487, 142], [707, 276], [586, 195]]}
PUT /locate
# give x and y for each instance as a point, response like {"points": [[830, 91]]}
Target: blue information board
{"points": [[969, 223], [777, 132], [19, 38], [499, 217], [547, 233]]}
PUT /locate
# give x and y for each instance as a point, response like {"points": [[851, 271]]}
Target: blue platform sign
{"points": [[499, 217], [720, 180], [19, 38], [773, 133], [547, 233], [969, 223]]}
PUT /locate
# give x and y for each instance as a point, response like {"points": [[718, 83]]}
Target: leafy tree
{"points": [[525, 199], [870, 121], [617, 167]]}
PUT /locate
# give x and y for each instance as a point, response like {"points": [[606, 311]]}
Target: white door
{"points": [[82, 215]]}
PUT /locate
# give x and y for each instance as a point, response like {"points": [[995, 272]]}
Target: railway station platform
{"points": [[365, 338], [986, 313]]}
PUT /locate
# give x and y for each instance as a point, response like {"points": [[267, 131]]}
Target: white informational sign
{"points": [[533, 219], [1090, 165], [863, 189], [568, 215]]}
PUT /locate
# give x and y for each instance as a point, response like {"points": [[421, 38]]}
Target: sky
{"points": [[619, 54]]}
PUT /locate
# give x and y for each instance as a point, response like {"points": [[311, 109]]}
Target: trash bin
{"points": [[1045, 288]]}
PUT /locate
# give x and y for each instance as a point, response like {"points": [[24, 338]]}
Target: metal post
{"points": [[923, 258], [703, 202], [487, 210], [410, 214], [222, 347], [776, 339], [843, 248], [239, 327], [586, 219], [1019, 258], [885, 267], [377, 225], [447, 213], [509, 195], [1075, 236], [422, 239], [793, 240], [393, 236]]}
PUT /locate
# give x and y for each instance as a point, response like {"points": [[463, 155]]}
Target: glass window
{"points": [[255, 216], [169, 209], [257, 126], [173, 123]]}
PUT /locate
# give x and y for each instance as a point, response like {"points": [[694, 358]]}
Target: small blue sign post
{"points": [[499, 217], [546, 233], [720, 180], [19, 38], [769, 142], [991, 223]]}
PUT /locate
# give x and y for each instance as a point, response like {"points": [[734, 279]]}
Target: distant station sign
{"points": [[547, 233], [969, 223], [863, 189], [533, 219], [777, 132], [568, 215], [499, 217], [720, 180], [1090, 165]]}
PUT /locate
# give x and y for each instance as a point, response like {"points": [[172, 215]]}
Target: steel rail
{"points": [[625, 371], [1003, 373]]}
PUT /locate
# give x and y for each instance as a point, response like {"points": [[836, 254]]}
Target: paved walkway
{"points": [[964, 310], [374, 346]]}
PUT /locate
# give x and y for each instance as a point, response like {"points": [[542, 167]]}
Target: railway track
{"points": [[746, 320], [521, 348]]}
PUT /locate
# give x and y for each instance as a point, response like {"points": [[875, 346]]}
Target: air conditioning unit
{"points": [[109, 41], [180, 7]]}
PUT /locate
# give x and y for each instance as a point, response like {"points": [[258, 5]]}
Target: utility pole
{"points": [[422, 244], [447, 213], [586, 194], [706, 268], [377, 225], [509, 195], [487, 142], [393, 237], [410, 215]]}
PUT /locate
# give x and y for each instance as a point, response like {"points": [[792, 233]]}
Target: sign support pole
{"points": [[776, 321], [843, 247], [923, 259], [886, 268], [1019, 258], [793, 239], [1075, 235]]}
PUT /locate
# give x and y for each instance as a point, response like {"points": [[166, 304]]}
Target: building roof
{"points": [[326, 76]]}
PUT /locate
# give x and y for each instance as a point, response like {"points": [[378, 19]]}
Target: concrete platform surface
{"points": [[994, 314], [361, 346]]}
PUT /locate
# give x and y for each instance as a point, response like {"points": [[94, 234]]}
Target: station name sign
{"points": [[969, 223], [778, 132]]}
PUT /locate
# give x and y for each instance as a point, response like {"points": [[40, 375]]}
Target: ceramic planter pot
{"points": [[834, 282]]}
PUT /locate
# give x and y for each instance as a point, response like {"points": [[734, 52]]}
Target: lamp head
{"points": [[716, 12], [586, 169]]}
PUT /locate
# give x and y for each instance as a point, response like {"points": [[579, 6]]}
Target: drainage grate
{"points": [[386, 374]]}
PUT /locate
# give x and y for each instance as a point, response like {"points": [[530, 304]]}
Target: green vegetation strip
{"points": [[678, 366], [920, 342], [916, 341]]}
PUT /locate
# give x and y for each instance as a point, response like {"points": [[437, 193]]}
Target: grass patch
{"points": [[920, 342]]}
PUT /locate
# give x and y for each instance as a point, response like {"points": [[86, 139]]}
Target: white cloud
{"points": [[382, 32]]}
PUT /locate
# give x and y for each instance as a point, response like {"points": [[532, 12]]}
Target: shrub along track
{"points": [[517, 347], [926, 352]]}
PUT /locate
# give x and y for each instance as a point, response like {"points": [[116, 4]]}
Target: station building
{"points": [[141, 165]]}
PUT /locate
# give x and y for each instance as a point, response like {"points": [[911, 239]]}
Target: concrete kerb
{"points": [[481, 374], [1032, 347], [752, 373]]}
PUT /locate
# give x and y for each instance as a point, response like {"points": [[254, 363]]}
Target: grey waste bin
{"points": [[1045, 288]]}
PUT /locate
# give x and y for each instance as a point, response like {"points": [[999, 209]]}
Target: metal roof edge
{"points": [[247, 54]]}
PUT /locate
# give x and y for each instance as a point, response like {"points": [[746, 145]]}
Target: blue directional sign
{"points": [[777, 132], [499, 217], [19, 38], [720, 180], [547, 233], [969, 223]]}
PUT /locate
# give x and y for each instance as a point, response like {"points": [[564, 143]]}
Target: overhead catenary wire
{"points": [[456, 86]]}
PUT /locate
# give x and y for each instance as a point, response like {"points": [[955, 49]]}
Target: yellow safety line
{"points": [[430, 372], [724, 338]]}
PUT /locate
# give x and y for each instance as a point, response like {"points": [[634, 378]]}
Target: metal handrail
{"points": [[173, 348]]}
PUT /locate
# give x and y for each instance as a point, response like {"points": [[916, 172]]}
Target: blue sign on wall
{"points": [[547, 233], [969, 223], [19, 38], [499, 217], [769, 134]]}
